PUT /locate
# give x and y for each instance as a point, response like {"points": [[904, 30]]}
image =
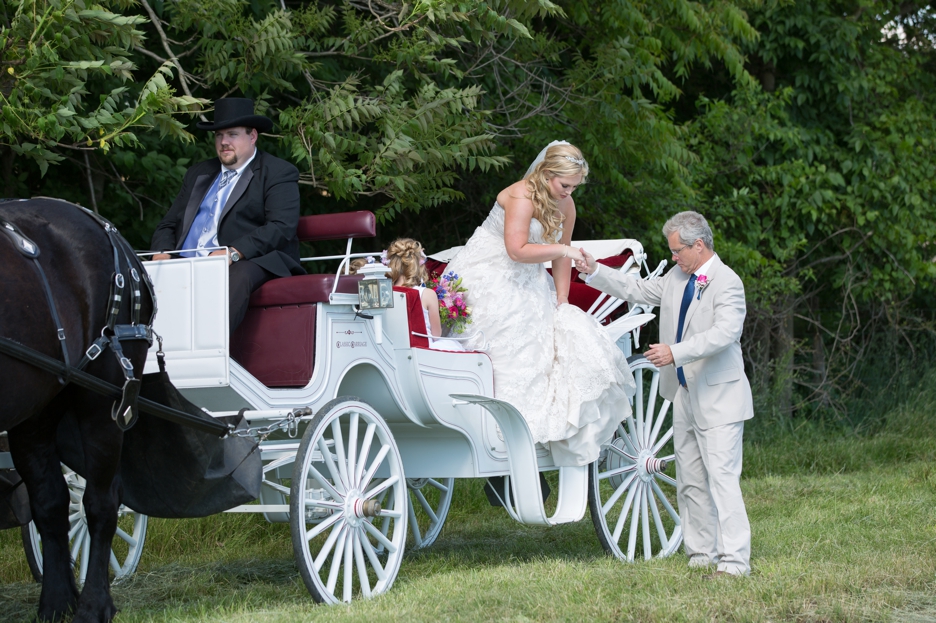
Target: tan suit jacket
{"points": [[710, 351]]}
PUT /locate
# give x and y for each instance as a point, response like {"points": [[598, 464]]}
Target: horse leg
{"points": [[102, 441], [32, 445]]}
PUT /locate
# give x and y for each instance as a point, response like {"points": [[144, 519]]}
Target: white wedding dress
{"points": [[558, 367]]}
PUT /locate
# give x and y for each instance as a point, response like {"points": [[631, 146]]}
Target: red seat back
{"points": [[414, 317], [360, 224]]}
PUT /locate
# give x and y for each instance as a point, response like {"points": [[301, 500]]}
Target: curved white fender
{"points": [[524, 473]]}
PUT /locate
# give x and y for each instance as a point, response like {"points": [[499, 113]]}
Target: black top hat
{"points": [[233, 112]]}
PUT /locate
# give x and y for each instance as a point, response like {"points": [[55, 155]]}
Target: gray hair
{"points": [[691, 226]]}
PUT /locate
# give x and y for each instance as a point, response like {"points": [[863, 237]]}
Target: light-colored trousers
{"points": [[708, 489]]}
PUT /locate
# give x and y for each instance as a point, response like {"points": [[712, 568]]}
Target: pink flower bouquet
{"points": [[453, 311]]}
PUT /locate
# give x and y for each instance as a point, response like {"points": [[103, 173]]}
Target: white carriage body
{"points": [[434, 411]]}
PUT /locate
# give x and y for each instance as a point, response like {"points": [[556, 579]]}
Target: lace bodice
{"points": [[494, 224]]}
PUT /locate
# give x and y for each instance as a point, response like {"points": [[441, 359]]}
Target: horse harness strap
{"points": [[112, 334], [31, 250]]}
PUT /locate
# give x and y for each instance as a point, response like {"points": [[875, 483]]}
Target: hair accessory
{"points": [[383, 258], [369, 259], [422, 258], [578, 161]]}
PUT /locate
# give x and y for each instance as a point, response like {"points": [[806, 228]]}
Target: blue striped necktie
{"points": [[683, 308]]}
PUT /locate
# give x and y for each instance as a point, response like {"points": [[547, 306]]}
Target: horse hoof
{"points": [[101, 615]]}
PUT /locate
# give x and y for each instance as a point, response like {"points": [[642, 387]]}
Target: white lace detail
{"points": [[559, 367]]}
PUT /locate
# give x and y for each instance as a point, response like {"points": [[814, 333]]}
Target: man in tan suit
{"points": [[702, 313]]}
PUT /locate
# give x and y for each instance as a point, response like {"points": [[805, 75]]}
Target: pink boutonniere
{"points": [[701, 282]]}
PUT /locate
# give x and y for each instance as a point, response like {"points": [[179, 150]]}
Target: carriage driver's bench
{"points": [[276, 340]]}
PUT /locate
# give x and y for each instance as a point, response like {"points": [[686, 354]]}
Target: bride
{"points": [[552, 361]]}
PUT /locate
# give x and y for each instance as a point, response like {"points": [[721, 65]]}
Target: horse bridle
{"points": [[112, 334]]}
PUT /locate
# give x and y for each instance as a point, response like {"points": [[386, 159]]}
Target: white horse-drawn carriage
{"points": [[364, 429]]}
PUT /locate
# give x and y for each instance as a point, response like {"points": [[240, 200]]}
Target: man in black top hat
{"points": [[244, 199]]}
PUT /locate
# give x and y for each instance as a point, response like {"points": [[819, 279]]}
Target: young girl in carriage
{"points": [[406, 260]]}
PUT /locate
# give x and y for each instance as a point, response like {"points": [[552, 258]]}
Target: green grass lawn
{"points": [[844, 529]]}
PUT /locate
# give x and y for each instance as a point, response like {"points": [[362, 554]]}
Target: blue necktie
{"points": [[683, 308], [204, 218]]}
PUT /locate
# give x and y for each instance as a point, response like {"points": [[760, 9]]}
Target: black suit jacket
{"points": [[259, 218]]}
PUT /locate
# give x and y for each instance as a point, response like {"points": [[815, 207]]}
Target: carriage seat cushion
{"points": [[276, 340]]}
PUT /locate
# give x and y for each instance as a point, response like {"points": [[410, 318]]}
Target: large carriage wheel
{"points": [[348, 477], [429, 502], [126, 548], [631, 498]]}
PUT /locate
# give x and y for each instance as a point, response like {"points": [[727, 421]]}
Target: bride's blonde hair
{"points": [[562, 160], [405, 258]]}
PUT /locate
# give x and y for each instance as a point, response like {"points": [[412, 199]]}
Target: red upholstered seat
{"points": [[276, 340]]}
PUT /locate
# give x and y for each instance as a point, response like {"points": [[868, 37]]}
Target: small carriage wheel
{"points": [[348, 476], [429, 502], [629, 493], [126, 548]]}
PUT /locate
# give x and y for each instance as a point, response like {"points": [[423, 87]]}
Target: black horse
{"points": [[77, 258]]}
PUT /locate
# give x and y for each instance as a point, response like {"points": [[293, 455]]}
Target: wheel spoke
{"points": [[365, 452], [79, 540], [639, 409], [114, 564], [645, 521], [624, 486], [654, 508], [352, 448], [330, 464], [381, 455], [616, 471], [659, 423], [374, 560], [85, 555], [319, 478], [377, 534], [386, 484], [336, 560], [414, 525], [632, 538], [348, 567], [668, 480], [340, 452], [625, 510], [327, 546], [438, 485], [426, 507], [652, 418], [126, 538], [361, 566], [322, 527], [662, 442], [663, 500]]}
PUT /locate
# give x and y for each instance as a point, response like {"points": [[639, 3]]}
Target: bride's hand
{"points": [[574, 254]]}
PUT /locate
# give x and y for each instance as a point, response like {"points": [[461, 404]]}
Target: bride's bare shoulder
{"points": [[515, 196]]}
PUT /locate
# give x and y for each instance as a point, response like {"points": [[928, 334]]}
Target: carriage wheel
{"points": [[126, 548], [631, 498], [429, 502], [348, 477]]}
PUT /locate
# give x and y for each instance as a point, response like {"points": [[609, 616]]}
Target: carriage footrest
{"points": [[526, 501]]}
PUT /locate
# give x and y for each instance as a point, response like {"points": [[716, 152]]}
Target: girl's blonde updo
{"points": [[562, 160], [405, 258]]}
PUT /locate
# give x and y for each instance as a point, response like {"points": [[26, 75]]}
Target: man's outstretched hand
{"points": [[659, 355]]}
